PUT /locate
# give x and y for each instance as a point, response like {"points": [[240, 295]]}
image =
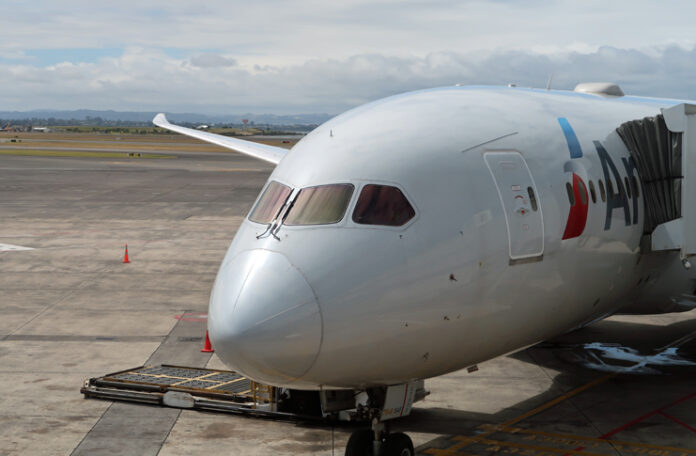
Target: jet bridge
{"points": [[664, 149]]}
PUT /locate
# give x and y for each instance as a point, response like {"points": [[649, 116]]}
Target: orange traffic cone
{"points": [[207, 348], [125, 257]]}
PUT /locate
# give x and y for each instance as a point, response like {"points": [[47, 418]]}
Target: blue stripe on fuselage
{"points": [[571, 139]]}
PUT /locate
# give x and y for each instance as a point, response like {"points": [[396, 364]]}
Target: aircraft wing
{"points": [[261, 151]]}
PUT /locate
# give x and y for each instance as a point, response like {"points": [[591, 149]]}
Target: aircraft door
{"points": [[520, 200]]}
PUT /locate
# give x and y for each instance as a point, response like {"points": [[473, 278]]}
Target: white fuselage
{"points": [[346, 305]]}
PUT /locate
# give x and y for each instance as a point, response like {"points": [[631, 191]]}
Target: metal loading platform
{"points": [[190, 388]]}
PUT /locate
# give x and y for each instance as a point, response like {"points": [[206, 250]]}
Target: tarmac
{"points": [[71, 310]]}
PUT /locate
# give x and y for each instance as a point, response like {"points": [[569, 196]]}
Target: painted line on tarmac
{"points": [[679, 342], [192, 316], [12, 248], [525, 446], [237, 170], [679, 422], [675, 343], [127, 428], [78, 338], [32, 168], [572, 438], [647, 415], [471, 440], [467, 441], [560, 399]]}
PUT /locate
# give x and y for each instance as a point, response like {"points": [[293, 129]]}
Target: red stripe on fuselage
{"points": [[577, 218]]}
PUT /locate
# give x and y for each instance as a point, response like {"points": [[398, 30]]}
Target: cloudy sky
{"points": [[311, 56]]}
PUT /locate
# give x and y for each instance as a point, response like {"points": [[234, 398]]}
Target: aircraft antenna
{"points": [[548, 84]]}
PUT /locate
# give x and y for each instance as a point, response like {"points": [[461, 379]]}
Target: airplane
{"points": [[433, 230]]}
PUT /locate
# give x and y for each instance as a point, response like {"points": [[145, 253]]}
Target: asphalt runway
{"points": [[71, 310]]}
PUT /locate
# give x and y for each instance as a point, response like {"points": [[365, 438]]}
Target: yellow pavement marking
{"points": [[227, 383], [524, 416], [535, 447], [559, 399], [237, 170], [679, 342], [466, 441], [573, 437], [192, 380]]}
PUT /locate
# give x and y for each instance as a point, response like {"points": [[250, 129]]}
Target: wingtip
{"points": [[160, 119]]}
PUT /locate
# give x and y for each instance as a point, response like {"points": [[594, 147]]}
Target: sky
{"points": [[310, 56]]}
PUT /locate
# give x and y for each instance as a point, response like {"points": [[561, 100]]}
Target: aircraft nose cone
{"points": [[264, 319]]}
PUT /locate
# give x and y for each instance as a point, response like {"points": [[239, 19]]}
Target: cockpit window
{"points": [[382, 205], [320, 205], [270, 203]]}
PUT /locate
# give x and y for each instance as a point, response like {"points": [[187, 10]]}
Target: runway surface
{"points": [[70, 310]]}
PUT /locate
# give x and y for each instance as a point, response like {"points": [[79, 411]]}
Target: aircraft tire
{"points": [[360, 443], [398, 444]]}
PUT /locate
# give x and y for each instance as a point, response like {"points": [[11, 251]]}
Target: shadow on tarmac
{"points": [[578, 358]]}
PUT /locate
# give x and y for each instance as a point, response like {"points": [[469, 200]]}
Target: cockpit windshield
{"points": [[327, 204], [270, 203], [320, 205]]}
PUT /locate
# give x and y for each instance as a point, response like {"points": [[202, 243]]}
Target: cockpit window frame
{"points": [[261, 195], [296, 194], [384, 205], [362, 183]]}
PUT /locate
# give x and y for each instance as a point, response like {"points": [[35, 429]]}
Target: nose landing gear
{"points": [[398, 444], [379, 442], [377, 406]]}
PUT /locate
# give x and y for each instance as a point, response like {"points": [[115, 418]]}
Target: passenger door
{"points": [[520, 200]]}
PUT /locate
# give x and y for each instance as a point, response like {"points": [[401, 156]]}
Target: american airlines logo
{"points": [[615, 195]]}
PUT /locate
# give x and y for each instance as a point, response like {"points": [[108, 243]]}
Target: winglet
{"points": [[264, 152], [161, 120]]}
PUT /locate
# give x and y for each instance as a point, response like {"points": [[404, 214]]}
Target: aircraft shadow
{"points": [[577, 358]]}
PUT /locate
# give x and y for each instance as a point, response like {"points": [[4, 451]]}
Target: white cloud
{"points": [[299, 29], [311, 56], [211, 60], [144, 79]]}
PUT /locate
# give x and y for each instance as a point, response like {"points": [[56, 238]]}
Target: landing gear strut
{"points": [[378, 441], [382, 405]]}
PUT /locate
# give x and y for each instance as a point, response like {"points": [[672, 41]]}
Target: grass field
{"points": [[92, 136], [79, 154], [88, 144], [130, 145], [115, 130]]}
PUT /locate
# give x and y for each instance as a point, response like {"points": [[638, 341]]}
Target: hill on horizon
{"points": [[146, 117]]}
